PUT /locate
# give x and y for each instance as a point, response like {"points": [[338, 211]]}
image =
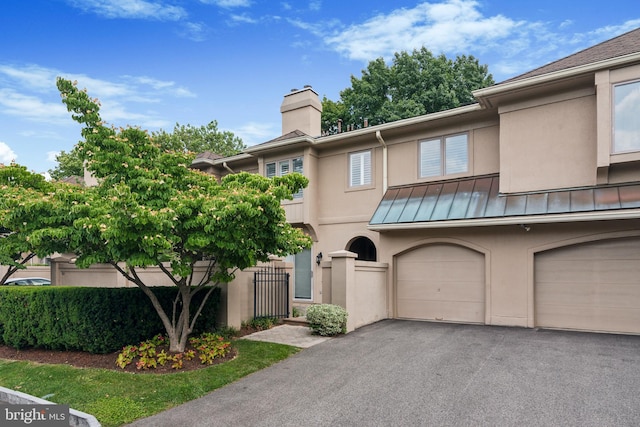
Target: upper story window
{"points": [[283, 167], [626, 117], [444, 156], [360, 169]]}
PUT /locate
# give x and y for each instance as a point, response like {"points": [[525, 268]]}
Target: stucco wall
{"points": [[509, 254], [548, 143]]}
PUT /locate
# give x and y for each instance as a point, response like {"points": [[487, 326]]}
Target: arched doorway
{"points": [[365, 249]]}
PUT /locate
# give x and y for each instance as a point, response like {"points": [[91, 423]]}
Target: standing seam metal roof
{"points": [[479, 198]]}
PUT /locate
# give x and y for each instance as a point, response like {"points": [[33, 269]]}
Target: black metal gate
{"points": [[271, 292]]}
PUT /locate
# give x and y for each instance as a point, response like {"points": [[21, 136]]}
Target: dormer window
{"points": [[626, 125]]}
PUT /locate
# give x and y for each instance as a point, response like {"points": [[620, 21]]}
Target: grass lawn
{"points": [[116, 398]]}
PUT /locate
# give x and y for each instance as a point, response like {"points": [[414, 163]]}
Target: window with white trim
{"points": [[283, 167], [447, 155], [360, 168], [626, 117]]}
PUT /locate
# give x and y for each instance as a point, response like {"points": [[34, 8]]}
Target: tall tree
{"points": [[414, 84], [150, 209], [199, 139], [69, 164], [185, 138]]}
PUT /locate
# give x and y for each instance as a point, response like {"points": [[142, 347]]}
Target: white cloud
{"points": [[243, 19], [51, 156], [7, 155], [315, 5], [452, 26], [31, 107], [228, 3], [195, 31], [29, 92], [253, 133], [132, 9]]}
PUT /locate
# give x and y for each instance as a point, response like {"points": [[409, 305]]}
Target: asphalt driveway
{"points": [[405, 373]]}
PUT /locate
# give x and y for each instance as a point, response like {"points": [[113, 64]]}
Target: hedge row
{"points": [[97, 320]]}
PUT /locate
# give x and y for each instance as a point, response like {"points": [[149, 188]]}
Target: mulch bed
{"points": [[81, 359]]}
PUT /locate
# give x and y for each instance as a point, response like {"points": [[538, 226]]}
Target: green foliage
{"points": [[97, 320], [296, 312], [327, 319], [118, 398], [261, 323], [414, 84], [208, 348], [150, 209], [199, 139], [69, 164]]}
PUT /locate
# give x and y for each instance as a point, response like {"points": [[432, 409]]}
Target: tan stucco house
{"points": [[522, 209]]}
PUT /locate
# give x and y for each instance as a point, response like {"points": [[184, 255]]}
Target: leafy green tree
{"points": [[15, 248], [199, 139], [185, 138], [414, 84], [69, 164], [150, 210]]}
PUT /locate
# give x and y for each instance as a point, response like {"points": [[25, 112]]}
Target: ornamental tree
{"points": [[150, 209]]}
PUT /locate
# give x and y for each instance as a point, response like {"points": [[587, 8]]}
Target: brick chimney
{"points": [[301, 110]]}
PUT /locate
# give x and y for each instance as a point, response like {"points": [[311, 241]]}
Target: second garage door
{"points": [[593, 286], [441, 282]]}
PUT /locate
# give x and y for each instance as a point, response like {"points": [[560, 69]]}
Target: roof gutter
{"points": [[514, 220], [385, 169]]}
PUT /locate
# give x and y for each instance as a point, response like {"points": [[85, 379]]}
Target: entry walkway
{"points": [[297, 336]]}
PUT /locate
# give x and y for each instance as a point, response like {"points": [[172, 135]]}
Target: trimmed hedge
{"points": [[97, 320]]}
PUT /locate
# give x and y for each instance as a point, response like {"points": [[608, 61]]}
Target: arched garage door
{"points": [[593, 286], [441, 282]]}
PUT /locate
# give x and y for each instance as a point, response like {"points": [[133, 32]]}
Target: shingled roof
{"points": [[622, 45]]}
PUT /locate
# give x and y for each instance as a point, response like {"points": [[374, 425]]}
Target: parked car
{"points": [[28, 281]]}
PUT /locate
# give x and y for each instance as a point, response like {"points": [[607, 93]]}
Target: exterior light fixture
{"points": [[318, 258]]}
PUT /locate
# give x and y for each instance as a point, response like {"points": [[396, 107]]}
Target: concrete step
{"points": [[299, 321]]}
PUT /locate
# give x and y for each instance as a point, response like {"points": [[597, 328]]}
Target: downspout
{"points": [[385, 177], [224, 164]]}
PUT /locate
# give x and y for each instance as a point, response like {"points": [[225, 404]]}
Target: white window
{"points": [[626, 117], [444, 156], [360, 169], [283, 167]]}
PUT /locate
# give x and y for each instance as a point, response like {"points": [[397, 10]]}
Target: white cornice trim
{"points": [[557, 75]]}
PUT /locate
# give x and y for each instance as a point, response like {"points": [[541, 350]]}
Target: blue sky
{"points": [[153, 63]]}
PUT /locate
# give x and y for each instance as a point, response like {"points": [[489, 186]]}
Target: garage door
{"points": [[594, 286], [441, 282]]}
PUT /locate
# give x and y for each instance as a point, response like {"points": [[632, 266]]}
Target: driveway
{"points": [[406, 373]]}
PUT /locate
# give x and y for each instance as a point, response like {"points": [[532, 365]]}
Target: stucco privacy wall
{"points": [[360, 287], [31, 271], [236, 296], [509, 256], [66, 273]]}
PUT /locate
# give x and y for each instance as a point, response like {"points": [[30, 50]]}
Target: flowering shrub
{"points": [[208, 347], [327, 319]]}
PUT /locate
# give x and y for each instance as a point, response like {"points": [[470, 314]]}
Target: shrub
{"points": [[327, 319], [261, 323], [208, 346], [97, 320]]}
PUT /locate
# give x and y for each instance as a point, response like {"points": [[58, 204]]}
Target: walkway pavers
{"points": [[297, 336]]}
